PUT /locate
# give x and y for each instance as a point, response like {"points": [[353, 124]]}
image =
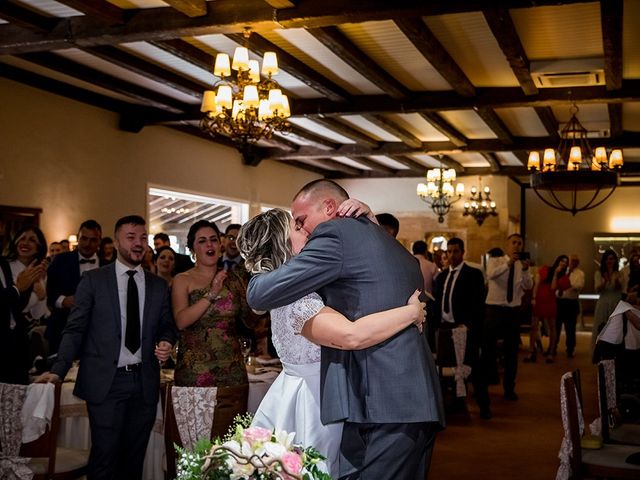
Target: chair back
{"points": [[571, 424], [607, 397]]}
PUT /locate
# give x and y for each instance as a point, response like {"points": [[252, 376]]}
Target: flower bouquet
{"points": [[250, 453]]}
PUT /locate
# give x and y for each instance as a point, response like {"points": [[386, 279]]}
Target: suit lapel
{"points": [[112, 288], [75, 270], [148, 293]]}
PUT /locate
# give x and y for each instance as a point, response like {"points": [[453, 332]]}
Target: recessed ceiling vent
{"points": [[577, 72]]}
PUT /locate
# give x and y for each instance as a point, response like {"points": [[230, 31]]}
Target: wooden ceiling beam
{"points": [[449, 162], [25, 18], [494, 122], [229, 17], [414, 166], [191, 8], [504, 31], [294, 67], [340, 45], [321, 142], [372, 164], [187, 52], [101, 79], [494, 163], [615, 120], [153, 72], [445, 128], [341, 167], [306, 166], [430, 47], [347, 131], [391, 127], [611, 21], [106, 12], [549, 121]]}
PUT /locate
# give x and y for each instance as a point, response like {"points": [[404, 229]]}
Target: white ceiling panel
{"points": [[631, 116], [351, 163], [426, 160], [631, 39], [470, 159], [49, 8], [321, 130], [365, 126], [295, 139], [564, 31], [418, 126], [522, 121], [385, 43], [508, 159], [389, 162], [302, 45], [593, 117], [468, 39], [468, 123], [92, 61]]}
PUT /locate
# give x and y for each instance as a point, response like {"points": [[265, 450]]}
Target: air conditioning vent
{"points": [[578, 72]]}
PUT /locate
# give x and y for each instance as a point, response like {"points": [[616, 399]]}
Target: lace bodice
{"points": [[286, 325]]}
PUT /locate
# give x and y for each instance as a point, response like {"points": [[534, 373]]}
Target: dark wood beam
{"points": [[25, 18], [229, 17], [394, 129], [347, 131], [449, 162], [611, 20], [372, 164], [283, 143], [523, 155], [108, 13], [341, 167], [305, 166], [101, 79], [282, 3], [445, 128], [615, 120], [494, 122], [294, 67], [549, 121], [321, 142], [187, 52], [136, 64], [504, 31], [414, 167], [494, 163], [191, 8], [340, 45], [430, 47]]}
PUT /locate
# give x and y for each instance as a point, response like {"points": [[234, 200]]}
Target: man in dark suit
{"points": [[183, 262], [63, 278], [388, 395], [119, 327], [459, 292]]}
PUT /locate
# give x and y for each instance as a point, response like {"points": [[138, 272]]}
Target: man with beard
{"points": [[119, 327]]}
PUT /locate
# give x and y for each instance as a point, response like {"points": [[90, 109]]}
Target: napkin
{"points": [[37, 410]]}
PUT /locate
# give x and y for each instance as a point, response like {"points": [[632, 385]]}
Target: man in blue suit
{"points": [[63, 278], [120, 327]]}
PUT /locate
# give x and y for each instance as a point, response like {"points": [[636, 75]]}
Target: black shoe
{"points": [[485, 414], [511, 396]]}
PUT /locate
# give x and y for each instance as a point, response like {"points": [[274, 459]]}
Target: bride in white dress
{"points": [[293, 401]]}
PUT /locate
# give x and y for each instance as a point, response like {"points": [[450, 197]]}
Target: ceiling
{"points": [[377, 88]]}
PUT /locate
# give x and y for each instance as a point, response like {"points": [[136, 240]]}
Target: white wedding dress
{"points": [[293, 401]]}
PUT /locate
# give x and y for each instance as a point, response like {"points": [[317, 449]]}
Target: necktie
{"points": [[447, 292], [87, 260], [132, 334], [228, 265], [510, 282]]}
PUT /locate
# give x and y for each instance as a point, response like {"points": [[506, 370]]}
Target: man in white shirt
{"points": [[507, 279], [569, 288]]}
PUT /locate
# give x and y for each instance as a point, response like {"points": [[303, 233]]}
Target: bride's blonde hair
{"points": [[264, 241]]}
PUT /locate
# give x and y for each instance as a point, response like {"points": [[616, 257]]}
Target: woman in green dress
{"points": [[208, 302]]}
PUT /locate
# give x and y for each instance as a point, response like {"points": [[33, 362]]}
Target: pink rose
{"points": [[256, 434], [292, 462], [205, 380]]}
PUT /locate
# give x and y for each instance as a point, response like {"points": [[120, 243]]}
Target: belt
{"points": [[133, 367]]}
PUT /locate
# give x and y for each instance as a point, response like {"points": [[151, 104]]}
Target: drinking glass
{"points": [[245, 347]]}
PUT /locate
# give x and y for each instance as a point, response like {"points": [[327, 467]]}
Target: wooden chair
{"points": [[607, 462], [613, 430], [450, 364]]}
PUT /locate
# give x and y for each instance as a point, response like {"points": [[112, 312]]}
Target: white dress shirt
{"points": [[122, 277], [448, 317], [498, 277]]}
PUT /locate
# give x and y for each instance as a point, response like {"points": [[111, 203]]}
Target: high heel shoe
{"points": [[530, 359]]}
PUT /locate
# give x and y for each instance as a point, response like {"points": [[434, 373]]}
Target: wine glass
{"points": [[245, 347]]}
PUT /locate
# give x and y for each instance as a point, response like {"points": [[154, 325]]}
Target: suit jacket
{"points": [[467, 304], [63, 277], [93, 334], [183, 263], [360, 269]]}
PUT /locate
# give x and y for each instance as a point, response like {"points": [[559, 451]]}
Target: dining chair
{"points": [[188, 417], [613, 429], [577, 463], [450, 353]]}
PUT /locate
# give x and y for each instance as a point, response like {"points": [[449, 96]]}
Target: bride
{"points": [[293, 402]]}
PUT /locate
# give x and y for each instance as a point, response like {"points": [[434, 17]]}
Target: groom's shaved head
{"points": [[323, 188]]}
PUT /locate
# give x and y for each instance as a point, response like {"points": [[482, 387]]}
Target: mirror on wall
{"points": [[621, 243]]}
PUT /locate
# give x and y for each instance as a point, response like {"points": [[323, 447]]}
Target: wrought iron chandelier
{"points": [[480, 205], [439, 191], [249, 107], [574, 177]]}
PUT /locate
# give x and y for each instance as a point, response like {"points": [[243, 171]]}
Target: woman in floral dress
{"points": [[207, 304]]}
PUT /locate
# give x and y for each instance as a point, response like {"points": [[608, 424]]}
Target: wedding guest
{"points": [[183, 262], [147, 259], [231, 257], [66, 247], [107, 251], [22, 293], [389, 223], [54, 249], [165, 262], [609, 284], [569, 288]]}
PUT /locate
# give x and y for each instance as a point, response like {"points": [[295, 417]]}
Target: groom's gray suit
{"points": [[359, 269]]}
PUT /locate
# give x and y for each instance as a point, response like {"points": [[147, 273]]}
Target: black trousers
{"points": [[393, 451], [501, 322], [568, 310], [120, 429]]}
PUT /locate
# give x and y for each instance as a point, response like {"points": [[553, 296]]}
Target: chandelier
{"points": [[245, 107], [574, 178], [439, 191], [480, 205]]}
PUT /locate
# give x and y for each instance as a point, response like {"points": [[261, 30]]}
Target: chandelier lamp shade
{"points": [[246, 104], [574, 177], [440, 191], [480, 205]]}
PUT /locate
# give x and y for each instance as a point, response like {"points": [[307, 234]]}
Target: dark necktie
{"points": [[229, 265], [87, 260], [447, 292], [510, 282], [132, 335]]}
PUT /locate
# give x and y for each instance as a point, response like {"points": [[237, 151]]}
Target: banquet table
{"points": [[74, 422]]}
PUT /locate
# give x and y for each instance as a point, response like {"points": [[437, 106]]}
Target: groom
{"points": [[388, 395]]}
